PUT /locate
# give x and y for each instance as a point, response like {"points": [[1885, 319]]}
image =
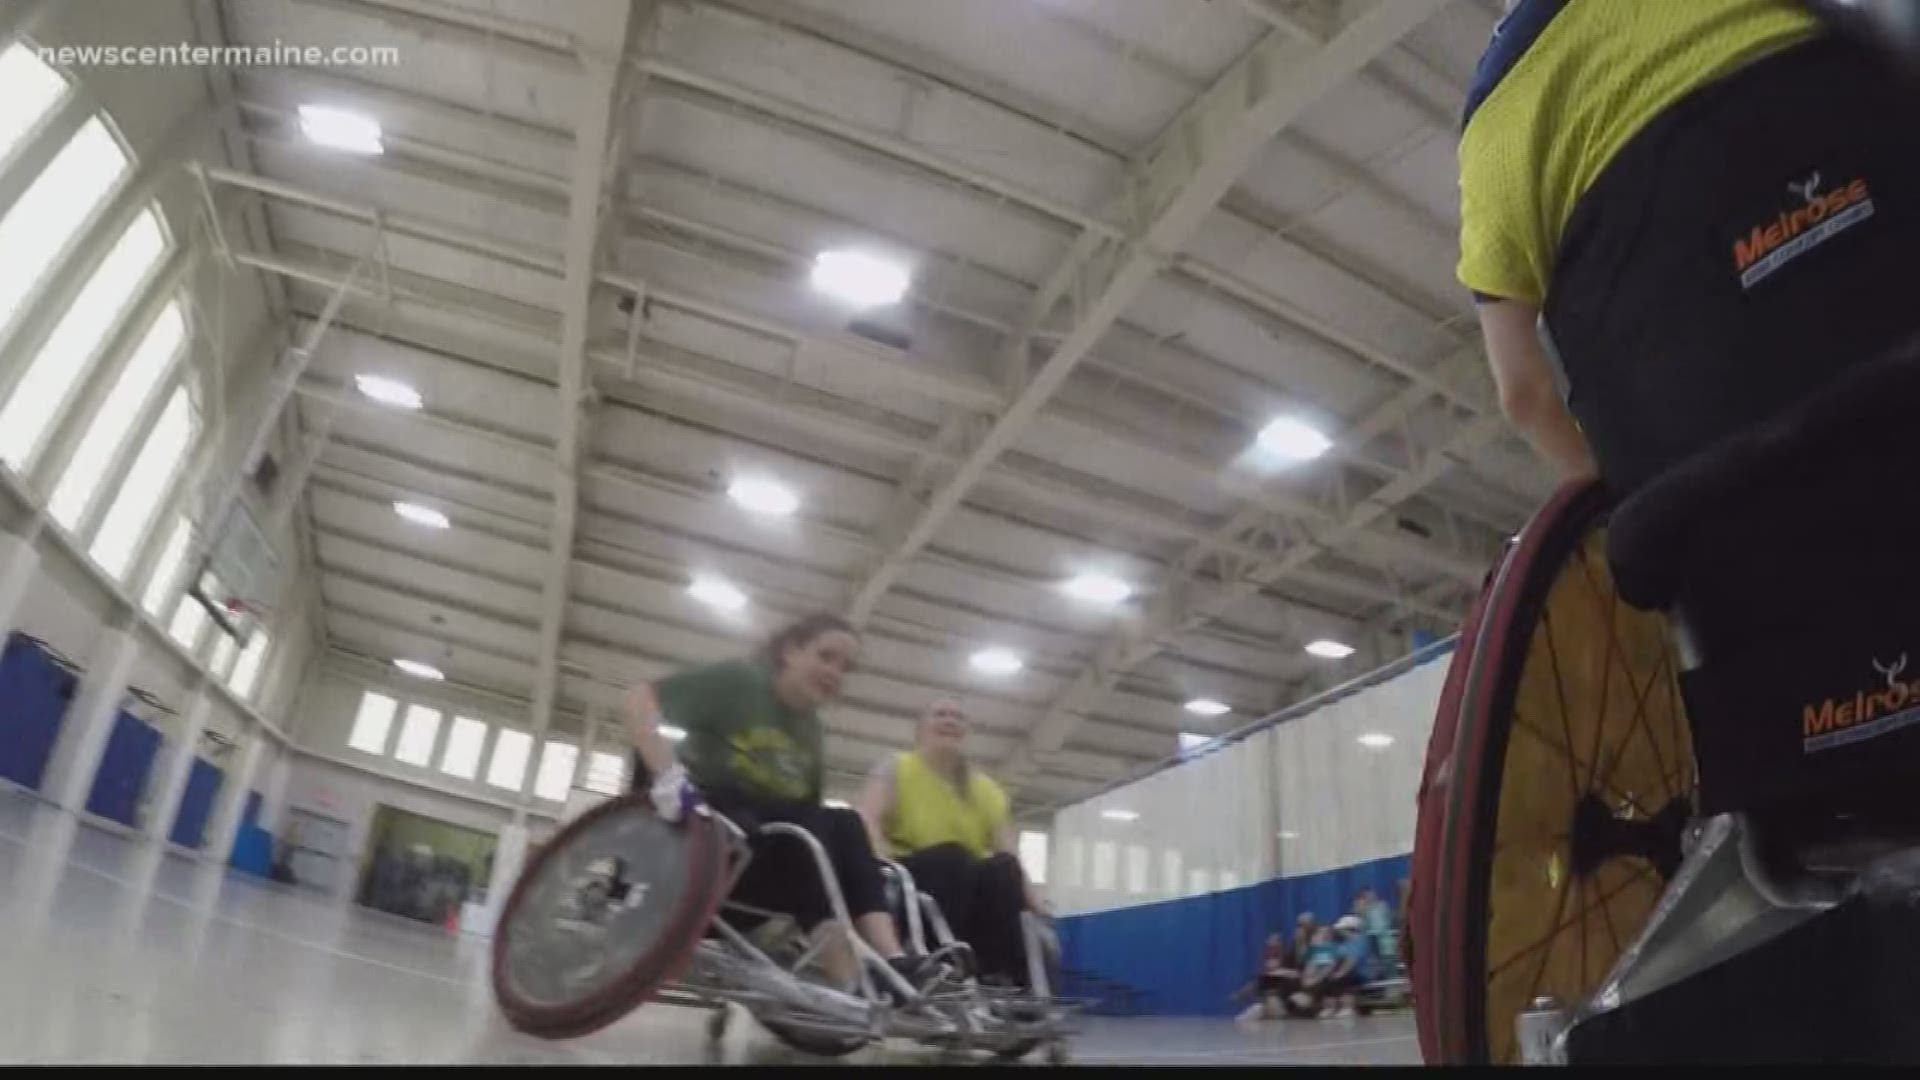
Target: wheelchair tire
{"points": [[566, 964], [1560, 775]]}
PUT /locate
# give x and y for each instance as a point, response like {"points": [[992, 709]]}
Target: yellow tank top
{"points": [[1594, 75], [929, 809]]}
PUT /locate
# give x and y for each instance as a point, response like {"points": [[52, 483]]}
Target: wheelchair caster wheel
{"points": [[717, 1024], [1057, 1053]]}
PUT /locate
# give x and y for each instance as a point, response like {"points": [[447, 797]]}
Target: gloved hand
{"points": [[674, 795]]}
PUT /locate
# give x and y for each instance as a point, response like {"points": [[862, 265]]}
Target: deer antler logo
{"points": [[1806, 188], [1891, 671]]}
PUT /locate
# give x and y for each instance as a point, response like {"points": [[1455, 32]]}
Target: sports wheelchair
{"points": [[621, 908], [1668, 808]]}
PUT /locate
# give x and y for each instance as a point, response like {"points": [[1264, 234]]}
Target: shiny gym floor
{"points": [[115, 951]]}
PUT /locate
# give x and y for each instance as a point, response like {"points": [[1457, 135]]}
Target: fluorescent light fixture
{"points": [[1288, 834], [1330, 650], [1374, 740], [341, 130], [1192, 741], [1120, 815], [1202, 706], [858, 278], [836, 804], [388, 391], [718, 592], [997, 661], [1097, 588], [1295, 440], [421, 515], [419, 670], [763, 496], [671, 733]]}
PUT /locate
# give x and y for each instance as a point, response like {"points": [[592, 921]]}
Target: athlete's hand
{"points": [[673, 793]]}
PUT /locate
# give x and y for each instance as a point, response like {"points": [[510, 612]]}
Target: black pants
{"points": [[1737, 254], [783, 875], [981, 900]]}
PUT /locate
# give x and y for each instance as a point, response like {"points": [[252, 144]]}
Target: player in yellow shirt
{"points": [[1709, 204], [948, 824]]}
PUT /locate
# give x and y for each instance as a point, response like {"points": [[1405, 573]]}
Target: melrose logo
{"points": [[1836, 722]]}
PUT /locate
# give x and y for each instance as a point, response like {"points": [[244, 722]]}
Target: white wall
{"points": [[1299, 797]]}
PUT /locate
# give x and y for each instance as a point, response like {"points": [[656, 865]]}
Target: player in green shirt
{"points": [[754, 750]]}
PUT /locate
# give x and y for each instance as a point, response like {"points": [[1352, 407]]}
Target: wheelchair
{"points": [[1667, 812], [620, 909]]}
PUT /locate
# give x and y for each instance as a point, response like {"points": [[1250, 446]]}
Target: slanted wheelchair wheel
{"points": [[1558, 787], [604, 914]]}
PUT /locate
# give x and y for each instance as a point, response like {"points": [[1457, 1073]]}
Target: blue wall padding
{"points": [[196, 804], [34, 694], [1190, 955], [124, 767], [253, 850]]}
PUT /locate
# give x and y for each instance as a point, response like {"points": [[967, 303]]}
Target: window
{"points": [[371, 723], [416, 736], [188, 620], [167, 568], [1170, 864], [508, 769], [57, 368], [246, 673], [225, 650], [555, 778], [1033, 856], [28, 91], [465, 740], [53, 208], [1229, 880], [152, 473], [112, 426], [606, 773], [1199, 882], [1073, 867]]}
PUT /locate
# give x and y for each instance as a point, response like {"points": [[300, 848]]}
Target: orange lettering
{"points": [[1746, 252], [1857, 191], [1813, 723], [1773, 236]]}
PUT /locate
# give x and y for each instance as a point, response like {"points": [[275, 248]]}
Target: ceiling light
{"points": [[718, 592], [419, 670], [1330, 650], [997, 661], [1374, 740], [388, 391], [1097, 588], [1295, 440], [1287, 834], [671, 733], [836, 804], [1201, 706], [763, 496], [340, 129], [860, 279], [1120, 815], [1190, 741], [421, 515]]}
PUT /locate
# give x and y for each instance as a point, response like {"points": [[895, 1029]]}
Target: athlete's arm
{"points": [[877, 801], [1527, 394]]}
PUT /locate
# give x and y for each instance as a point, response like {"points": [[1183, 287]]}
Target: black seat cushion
{"points": [[1802, 476]]}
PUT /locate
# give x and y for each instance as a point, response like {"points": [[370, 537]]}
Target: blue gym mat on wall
{"points": [[1191, 954], [124, 767], [35, 689], [196, 804]]}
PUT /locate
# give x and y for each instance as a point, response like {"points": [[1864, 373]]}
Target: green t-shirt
{"points": [[740, 734]]}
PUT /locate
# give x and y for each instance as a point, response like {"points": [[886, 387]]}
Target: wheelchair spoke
{"points": [[1561, 925], [1560, 694], [1575, 762], [1638, 722]]}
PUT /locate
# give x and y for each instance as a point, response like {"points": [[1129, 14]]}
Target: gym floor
{"points": [[117, 951]]}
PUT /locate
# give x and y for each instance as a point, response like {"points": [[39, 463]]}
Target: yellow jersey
{"points": [[929, 809], [1563, 86]]}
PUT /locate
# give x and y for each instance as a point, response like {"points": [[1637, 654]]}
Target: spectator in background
{"points": [[1319, 959], [1357, 963], [1272, 983], [1377, 919], [1303, 931]]}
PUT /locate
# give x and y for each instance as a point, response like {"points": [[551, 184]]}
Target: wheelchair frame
{"points": [[765, 971]]}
